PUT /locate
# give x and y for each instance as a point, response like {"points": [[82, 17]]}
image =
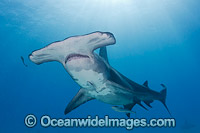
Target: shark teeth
{"points": [[75, 56]]}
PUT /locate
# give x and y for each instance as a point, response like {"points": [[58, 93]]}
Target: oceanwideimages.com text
{"points": [[130, 123]]}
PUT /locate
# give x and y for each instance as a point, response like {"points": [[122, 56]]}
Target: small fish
{"points": [[22, 58], [120, 109]]}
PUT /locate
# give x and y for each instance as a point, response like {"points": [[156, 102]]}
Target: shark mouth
{"points": [[75, 56]]}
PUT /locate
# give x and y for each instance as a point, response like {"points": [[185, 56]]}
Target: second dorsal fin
{"points": [[146, 84]]}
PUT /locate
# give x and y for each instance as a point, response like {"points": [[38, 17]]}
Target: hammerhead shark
{"points": [[96, 77]]}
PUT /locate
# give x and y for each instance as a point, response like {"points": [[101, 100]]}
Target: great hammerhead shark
{"points": [[97, 79]]}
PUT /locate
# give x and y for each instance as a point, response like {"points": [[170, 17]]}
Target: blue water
{"points": [[157, 40]]}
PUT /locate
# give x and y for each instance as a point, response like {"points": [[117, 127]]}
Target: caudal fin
{"points": [[163, 94]]}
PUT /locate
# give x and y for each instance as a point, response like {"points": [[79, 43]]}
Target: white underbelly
{"points": [[100, 88], [89, 79], [109, 96]]}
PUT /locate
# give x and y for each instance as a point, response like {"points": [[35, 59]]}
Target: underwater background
{"points": [[157, 40]]}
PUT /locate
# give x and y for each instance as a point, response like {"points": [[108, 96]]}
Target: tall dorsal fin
{"points": [[79, 99], [146, 84], [103, 53]]}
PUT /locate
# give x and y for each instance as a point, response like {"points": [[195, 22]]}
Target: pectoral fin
{"points": [[79, 99]]}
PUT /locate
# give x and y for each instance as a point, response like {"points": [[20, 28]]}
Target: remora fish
{"points": [[120, 109], [97, 78]]}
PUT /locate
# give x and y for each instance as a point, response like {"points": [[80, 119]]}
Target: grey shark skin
{"points": [[98, 80]]}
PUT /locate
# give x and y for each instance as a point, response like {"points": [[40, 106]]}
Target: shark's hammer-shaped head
{"points": [[79, 46]]}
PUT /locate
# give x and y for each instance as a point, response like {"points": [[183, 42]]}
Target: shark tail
{"points": [[163, 94]]}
